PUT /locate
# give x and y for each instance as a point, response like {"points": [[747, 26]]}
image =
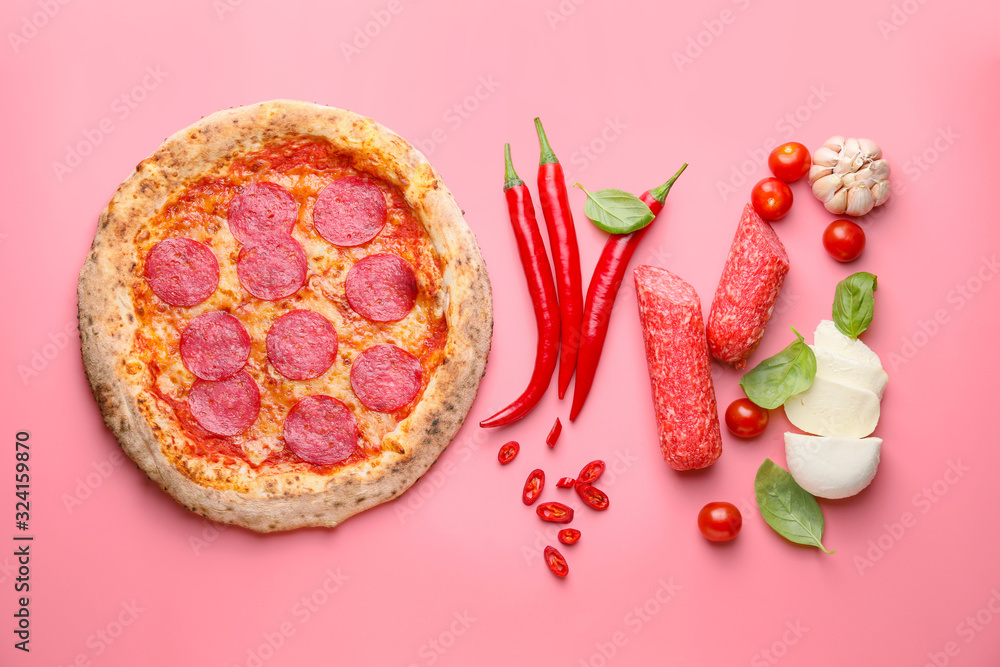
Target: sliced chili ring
{"points": [[594, 497], [566, 482], [555, 512], [508, 452], [553, 435], [569, 535], [556, 562], [533, 486], [591, 472]]}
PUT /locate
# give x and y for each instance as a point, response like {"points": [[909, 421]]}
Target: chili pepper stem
{"points": [[547, 156], [510, 178], [660, 193]]}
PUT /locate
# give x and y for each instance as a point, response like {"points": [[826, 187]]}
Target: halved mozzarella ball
{"points": [[834, 409], [837, 367], [829, 337], [832, 467]]}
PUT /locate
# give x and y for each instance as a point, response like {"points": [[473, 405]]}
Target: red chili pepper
{"points": [[565, 254], [591, 472], [602, 291], [569, 535], [556, 562], [508, 452], [533, 486], [566, 483], [553, 435], [555, 512], [594, 497], [535, 262]]}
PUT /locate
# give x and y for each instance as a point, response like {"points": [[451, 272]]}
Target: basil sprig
{"points": [[854, 303], [616, 211], [774, 380], [787, 507]]}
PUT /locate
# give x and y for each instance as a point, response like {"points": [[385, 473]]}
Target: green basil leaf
{"points": [[771, 382], [787, 507], [616, 211], [854, 303]]}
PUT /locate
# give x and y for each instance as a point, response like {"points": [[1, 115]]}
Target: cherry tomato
{"points": [[566, 482], [508, 452], [569, 535], [720, 521], [771, 198], [555, 512], [790, 161], [533, 486], [556, 562], [844, 240], [591, 472], [550, 440], [594, 497], [746, 419]]}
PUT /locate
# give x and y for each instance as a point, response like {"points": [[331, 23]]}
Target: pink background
{"points": [[451, 573]]}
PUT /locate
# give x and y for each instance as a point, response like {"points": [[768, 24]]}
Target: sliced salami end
{"points": [[385, 377], [215, 346], [382, 288], [182, 271], [350, 211], [272, 270], [262, 211], [228, 407], [748, 289], [321, 430], [302, 344], [680, 373]]}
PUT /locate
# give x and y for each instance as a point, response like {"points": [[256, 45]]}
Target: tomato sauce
{"points": [[304, 165]]}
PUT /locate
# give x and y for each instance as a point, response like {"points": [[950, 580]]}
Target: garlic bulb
{"points": [[849, 176]]}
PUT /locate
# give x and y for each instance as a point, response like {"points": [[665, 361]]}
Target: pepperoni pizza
{"points": [[284, 316]]}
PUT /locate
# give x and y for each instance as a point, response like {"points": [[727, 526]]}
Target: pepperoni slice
{"points": [[228, 407], [350, 211], [302, 344], [262, 211], [383, 287], [385, 377], [272, 270], [215, 346], [321, 430], [182, 271]]}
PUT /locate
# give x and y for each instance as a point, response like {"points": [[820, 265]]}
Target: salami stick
{"points": [[680, 372]]}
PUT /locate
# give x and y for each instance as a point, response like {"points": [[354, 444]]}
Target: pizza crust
{"points": [[108, 320]]}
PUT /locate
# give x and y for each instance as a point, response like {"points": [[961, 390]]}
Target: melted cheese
{"points": [[199, 212]]}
